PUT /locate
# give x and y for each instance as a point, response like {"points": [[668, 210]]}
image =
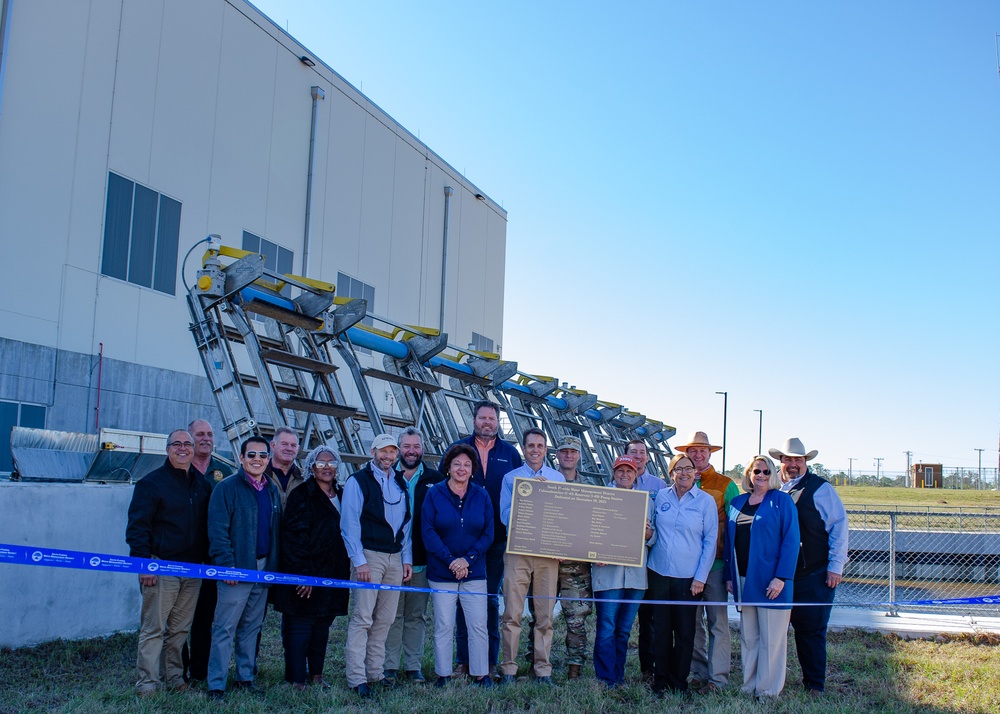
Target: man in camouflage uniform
{"points": [[574, 578]]}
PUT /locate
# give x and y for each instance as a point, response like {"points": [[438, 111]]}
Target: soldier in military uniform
{"points": [[574, 579]]}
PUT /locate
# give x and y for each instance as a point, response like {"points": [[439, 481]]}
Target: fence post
{"points": [[893, 611]]}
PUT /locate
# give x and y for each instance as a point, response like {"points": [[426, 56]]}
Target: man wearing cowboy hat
{"points": [[823, 529], [712, 642]]}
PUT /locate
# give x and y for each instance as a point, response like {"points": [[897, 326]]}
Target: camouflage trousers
{"points": [[574, 583]]}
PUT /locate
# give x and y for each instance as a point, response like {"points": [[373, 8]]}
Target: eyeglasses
{"points": [[684, 469], [256, 454], [758, 472], [179, 444], [325, 464]]}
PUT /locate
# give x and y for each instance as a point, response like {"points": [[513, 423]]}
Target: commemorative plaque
{"points": [[578, 522]]}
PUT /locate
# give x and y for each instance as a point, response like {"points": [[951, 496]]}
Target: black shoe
{"points": [[484, 682], [416, 676], [362, 690], [442, 682], [249, 687], [389, 682], [547, 681], [216, 694], [508, 678]]}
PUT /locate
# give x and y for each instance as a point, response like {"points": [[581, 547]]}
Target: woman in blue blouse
{"points": [[686, 521], [762, 550], [457, 525]]}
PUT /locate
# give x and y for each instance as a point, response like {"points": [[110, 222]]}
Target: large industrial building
{"points": [[130, 130]]}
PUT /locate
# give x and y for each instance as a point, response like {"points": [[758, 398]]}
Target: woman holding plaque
{"points": [[457, 525], [618, 591], [686, 522], [762, 551], [311, 544]]}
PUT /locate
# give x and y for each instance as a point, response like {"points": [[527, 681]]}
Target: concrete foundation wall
{"points": [[41, 603]]}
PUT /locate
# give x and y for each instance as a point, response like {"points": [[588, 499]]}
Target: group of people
{"points": [[397, 521]]}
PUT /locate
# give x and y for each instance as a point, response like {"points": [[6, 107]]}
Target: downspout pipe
{"points": [[448, 192], [318, 95]]}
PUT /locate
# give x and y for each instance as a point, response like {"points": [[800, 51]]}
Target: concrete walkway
{"points": [[915, 625]]}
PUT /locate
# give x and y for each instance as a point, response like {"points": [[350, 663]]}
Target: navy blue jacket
{"points": [[503, 457], [456, 527]]}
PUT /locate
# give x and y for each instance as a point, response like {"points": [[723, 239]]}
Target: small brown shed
{"points": [[927, 475]]}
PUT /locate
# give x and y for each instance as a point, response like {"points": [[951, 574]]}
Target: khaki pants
{"points": [[167, 611], [520, 571], [764, 648], [372, 612], [712, 641], [406, 634]]}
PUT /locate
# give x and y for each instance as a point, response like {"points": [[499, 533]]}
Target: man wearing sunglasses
{"points": [[712, 641], [166, 520], [375, 525], [823, 531], [244, 517]]}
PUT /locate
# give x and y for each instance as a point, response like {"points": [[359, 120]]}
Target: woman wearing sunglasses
{"points": [[762, 550], [311, 544]]}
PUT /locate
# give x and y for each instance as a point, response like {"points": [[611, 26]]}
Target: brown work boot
{"points": [[573, 671], [461, 670], [494, 675]]}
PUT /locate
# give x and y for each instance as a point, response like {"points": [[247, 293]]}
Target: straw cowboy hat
{"points": [[793, 447], [699, 438]]}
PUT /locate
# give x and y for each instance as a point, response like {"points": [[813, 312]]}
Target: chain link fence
{"points": [[902, 556]]}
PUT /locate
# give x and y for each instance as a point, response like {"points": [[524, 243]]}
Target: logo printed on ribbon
{"points": [[95, 561]]}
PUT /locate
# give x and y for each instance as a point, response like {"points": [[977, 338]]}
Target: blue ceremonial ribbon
{"points": [[82, 560]]}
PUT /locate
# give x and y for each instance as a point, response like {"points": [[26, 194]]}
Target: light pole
{"points": [[725, 414], [979, 480], [850, 469], [760, 431], [878, 469]]}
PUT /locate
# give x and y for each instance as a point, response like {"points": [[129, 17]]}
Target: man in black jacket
{"points": [[167, 520], [406, 634]]}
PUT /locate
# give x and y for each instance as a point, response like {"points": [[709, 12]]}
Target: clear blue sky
{"points": [[792, 202]]}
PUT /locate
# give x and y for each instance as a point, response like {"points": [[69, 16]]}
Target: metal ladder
{"points": [[274, 361]]}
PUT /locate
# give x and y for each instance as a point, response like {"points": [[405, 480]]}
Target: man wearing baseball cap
{"points": [[375, 525], [710, 661], [823, 532]]}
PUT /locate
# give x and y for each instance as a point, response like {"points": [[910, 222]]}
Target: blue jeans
{"points": [[810, 624], [304, 639], [239, 614], [614, 624], [494, 575]]}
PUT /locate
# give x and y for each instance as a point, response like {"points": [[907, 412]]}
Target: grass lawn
{"points": [[873, 496], [868, 672]]}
